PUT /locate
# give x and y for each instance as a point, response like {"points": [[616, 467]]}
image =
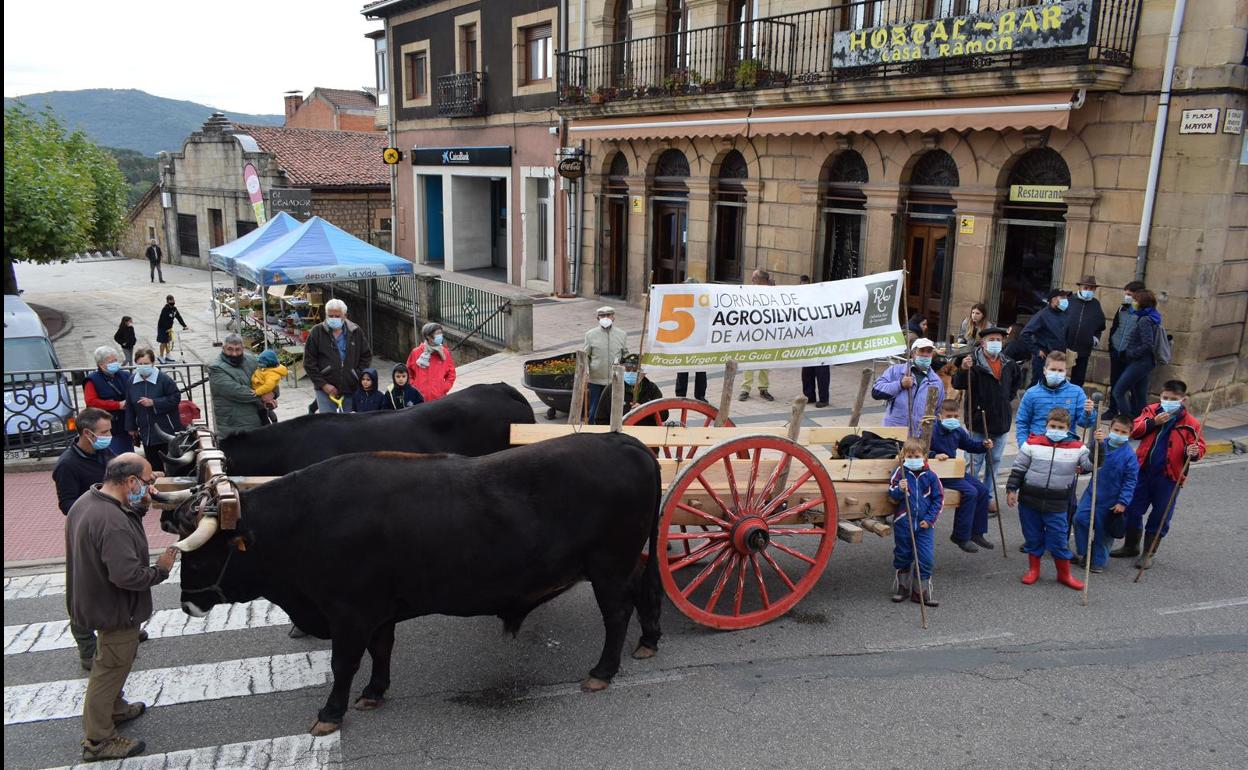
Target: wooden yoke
{"points": [[210, 465]]}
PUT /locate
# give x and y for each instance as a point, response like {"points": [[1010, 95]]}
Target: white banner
{"points": [[704, 325]]}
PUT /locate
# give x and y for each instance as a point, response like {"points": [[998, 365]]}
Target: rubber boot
{"points": [[1033, 570], [924, 593], [1146, 559], [1130, 545], [1063, 574], [901, 585]]}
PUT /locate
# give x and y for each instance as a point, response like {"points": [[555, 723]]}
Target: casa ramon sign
{"points": [[1059, 24]]}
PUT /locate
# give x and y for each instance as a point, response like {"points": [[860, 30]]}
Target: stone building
{"points": [[144, 221], [471, 105], [334, 109], [992, 148], [337, 175]]}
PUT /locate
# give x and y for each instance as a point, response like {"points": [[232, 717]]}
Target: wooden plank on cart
{"points": [[855, 501], [838, 470], [850, 533], [660, 436]]}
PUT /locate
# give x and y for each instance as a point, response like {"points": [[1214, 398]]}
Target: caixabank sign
{"points": [[461, 156]]}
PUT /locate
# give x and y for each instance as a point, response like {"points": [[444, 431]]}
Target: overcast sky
{"points": [[236, 55]]}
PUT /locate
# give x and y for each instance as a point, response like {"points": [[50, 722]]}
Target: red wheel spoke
{"points": [[703, 515], [684, 417], [695, 556], [705, 573], [758, 578], [749, 494], [731, 513], [781, 467], [736, 606], [709, 421], [795, 531], [791, 552], [780, 572], [722, 582], [732, 482], [780, 516], [696, 535], [777, 502]]}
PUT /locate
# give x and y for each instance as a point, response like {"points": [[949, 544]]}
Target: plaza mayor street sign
{"points": [[1059, 24]]}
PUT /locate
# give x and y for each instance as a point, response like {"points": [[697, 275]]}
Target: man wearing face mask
{"points": [[905, 387], [604, 344], [1124, 321], [335, 354], [1050, 392], [993, 380], [1046, 331], [1085, 321], [164, 325], [646, 391], [234, 402], [108, 582]]}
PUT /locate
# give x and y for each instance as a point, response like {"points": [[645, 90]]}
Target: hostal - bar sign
{"points": [[1048, 25]]}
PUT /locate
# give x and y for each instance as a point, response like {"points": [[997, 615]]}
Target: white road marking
{"points": [[1217, 604], [55, 635], [292, 752], [53, 584], [938, 641], [179, 684]]}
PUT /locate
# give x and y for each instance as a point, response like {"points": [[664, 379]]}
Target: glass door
{"points": [[670, 231]]}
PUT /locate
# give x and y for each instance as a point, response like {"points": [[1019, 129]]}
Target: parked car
{"points": [[38, 408]]}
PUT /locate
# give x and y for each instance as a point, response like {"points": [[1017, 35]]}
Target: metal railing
{"points": [[474, 311], [461, 95], [39, 406], [798, 48]]}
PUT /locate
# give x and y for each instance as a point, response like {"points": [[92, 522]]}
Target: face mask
{"points": [[605, 323], [993, 347], [1086, 294], [923, 361], [136, 498], [630, 378], [1117, 439], [101, 442], [112, 368], [1063, 303], [1127, 299], [233, 360], [1054, 378], [146, 371], [914, 463], [951, 423], [333, 323], [1055, 434], [437, 340], [1170, 406]]}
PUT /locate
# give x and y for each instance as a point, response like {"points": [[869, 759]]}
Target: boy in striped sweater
{"points": [[1040, 482]]}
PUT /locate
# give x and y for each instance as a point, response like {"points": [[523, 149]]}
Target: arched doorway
{"points": [[842, 209], [1030, 237], [613, 234], [669, 190], [621, 55], [927, 245], [729, 218]]}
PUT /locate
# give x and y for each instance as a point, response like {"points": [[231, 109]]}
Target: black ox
{"points": [[472, 422], [350, 547]]}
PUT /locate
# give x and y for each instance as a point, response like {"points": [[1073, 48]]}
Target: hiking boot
{"points": [[1146, 559], [130, 712], [763, 394], [745, 396], [117, 747], [901, 585], [1130, 545], [965, 545], [1082, 563], [1033, 570], [925, 594], [982, 542], [1063, 574]]}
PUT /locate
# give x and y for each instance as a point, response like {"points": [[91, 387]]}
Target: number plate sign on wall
{"points": [[296, 201], [1048, 25]]}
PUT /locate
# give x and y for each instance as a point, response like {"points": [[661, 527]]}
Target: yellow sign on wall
{"points": [[966, 224], [636, 200]]}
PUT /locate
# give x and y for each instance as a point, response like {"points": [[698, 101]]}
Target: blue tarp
{"points": [[316, 252], [224, 256]]}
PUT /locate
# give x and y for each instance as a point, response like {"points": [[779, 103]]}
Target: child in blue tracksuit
{"points": [[1115, 486], [914, 482], [970, 521]]}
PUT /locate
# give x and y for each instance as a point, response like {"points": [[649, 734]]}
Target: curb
{"points": [[1226, 446], [66, 329], [53, 561]]}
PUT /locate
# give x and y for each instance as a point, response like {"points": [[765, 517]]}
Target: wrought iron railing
{"points": [[39, 406], [799, 48], [461, 95], [471, 310]]}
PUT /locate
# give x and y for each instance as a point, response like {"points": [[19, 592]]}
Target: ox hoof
{"points": [[325, 728], [368, 704], [644, 653], [594, 684]]}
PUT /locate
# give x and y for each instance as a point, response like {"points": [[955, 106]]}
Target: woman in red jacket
{"points": [[430, 366], [105, 388]]}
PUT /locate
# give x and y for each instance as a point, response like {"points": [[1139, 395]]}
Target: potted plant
{"points": [[572, 94], [748, 73]]}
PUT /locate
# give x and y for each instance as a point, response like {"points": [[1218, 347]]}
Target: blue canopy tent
{"points": [[223, 257], [317, 252]]}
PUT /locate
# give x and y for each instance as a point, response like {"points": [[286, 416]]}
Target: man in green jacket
{"points": [[235, 404]]}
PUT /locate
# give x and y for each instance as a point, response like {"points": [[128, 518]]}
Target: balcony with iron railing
{"points": [[461, 95], [854, 44]]}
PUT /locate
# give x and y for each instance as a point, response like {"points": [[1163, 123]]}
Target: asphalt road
{"points": [[1150, 674]]}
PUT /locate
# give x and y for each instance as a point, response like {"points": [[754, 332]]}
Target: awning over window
{"points": [[1019, 111]]}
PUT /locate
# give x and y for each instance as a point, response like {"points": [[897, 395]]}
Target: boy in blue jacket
{"points": [[914, 482], [1115, 486], [970, 520], [368, 398], [1051, 391]]}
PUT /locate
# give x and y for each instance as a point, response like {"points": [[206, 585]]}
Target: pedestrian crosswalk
{"points": [[35, 702]]}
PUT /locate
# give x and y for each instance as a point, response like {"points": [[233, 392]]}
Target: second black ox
{"points": [[351, 546]]}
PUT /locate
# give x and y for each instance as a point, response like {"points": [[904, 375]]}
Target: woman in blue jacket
{"points": [[1130, 393], [152, 407]]}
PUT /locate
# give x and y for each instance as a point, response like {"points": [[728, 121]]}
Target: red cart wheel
{"points": [[758, 555], [680, 410]]}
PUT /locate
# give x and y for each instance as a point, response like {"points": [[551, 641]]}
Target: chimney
{"points": [[294, 99]]}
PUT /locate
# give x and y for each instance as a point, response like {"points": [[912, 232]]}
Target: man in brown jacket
{"points": [[108, 581]]}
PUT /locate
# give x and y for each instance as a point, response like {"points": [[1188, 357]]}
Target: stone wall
{"points": [[144, 222], [358, 212]]}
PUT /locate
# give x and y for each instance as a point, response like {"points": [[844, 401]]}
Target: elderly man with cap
{"points": [[604, 345], [993, 380], [905, 387], [634, 382], [1085, 321], [1046, 331]]}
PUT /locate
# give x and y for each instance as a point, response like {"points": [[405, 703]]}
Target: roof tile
{"points": [[323, 158]]}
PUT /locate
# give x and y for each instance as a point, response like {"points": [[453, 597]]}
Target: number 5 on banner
{"points": [[673, 311]]}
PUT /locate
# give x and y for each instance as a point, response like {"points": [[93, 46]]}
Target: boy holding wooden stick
{"points": [[919, 494]]}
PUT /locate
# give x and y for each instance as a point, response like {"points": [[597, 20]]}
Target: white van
{"points": [[38, 411]]}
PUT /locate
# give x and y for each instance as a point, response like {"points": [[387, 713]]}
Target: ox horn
{"points": [[203, 533], [167, 501], [184, 459], [165, 437]]}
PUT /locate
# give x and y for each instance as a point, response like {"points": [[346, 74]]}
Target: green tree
{"points": [[62, 193]]}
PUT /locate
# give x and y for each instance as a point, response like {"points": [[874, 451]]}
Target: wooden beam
{"points": [[580, 383], [838, 470], [725, 395], [876, 526], [617, 399], [660, 436], [850, 533]]}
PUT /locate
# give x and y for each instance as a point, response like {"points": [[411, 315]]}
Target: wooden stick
{"points": [[854, 416], [725, 395], [795, 427], [914, 548], [927, 427], [576, 412], [1087, 552], [996, 491], [641, 347], [617, 398]]}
